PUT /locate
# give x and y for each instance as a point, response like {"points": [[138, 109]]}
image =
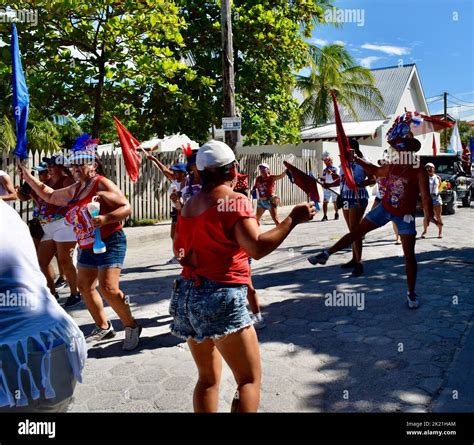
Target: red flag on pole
{"points": [[434, 146], [129, 146], [303, 181], [344, 146]]}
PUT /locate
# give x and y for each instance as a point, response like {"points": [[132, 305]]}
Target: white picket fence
{"points": [[148, 196]]}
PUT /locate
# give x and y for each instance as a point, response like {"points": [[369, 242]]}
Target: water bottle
{"points": [[94, 210]]}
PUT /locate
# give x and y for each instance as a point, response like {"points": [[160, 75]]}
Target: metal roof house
{"points": [[401, 89]]}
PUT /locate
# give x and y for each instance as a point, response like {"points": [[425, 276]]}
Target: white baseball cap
{"points": [[429, 164], [263, 164], [214, 154]]}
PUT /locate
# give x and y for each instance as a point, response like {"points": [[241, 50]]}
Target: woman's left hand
{"points": [[99, 221]]}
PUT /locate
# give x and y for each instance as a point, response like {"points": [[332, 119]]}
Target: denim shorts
{"points": [[380, 216], [436, 200], [114, 256], [353, 203], [264, 204], [211, 310]]}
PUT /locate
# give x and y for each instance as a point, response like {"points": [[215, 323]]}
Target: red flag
{"points": [[434, 146], [344, 146], [303, 181], [129, 146]]}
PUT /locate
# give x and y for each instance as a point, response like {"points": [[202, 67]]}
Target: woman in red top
{"points": [[404, 182], [104, 267], [217, 231], [265, 186]]}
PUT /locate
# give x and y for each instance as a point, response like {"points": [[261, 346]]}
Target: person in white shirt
{"points": [[7, 191], [434, 185], [329, 177], [42, 350]]}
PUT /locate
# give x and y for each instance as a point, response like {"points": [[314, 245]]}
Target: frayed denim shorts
{"points": [[211, 310]]}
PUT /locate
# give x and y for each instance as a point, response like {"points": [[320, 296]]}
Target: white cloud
{"points": [[391, 50], [318, 42], [339, 42], [368, 61]]}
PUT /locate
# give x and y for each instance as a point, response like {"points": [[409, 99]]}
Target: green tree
{"points": [[98, 58], [465, 131], [331, 67], [269, 47]]}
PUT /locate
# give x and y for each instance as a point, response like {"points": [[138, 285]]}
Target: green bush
{"points": [[141, 222]]}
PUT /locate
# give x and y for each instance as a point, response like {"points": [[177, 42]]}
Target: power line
{"points": [[439, 96], [461, 100], [460, 105]]}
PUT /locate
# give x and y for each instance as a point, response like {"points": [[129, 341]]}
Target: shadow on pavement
{"points": [[355, 353]]}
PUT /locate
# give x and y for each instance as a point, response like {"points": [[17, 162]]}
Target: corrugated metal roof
{"points": [[352, 129], [391, 82]]}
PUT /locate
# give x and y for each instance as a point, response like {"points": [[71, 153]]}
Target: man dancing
{"points": [[404, 183]]}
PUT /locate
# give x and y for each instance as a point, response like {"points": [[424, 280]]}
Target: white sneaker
{"points": [[413, 303], [131, 338], [99, 334], [320, 258]]}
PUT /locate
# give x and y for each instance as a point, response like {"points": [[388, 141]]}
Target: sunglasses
{"points": [[78, 165]]}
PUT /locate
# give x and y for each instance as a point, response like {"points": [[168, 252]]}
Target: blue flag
{"points": [[21, 98], [471, 148]]}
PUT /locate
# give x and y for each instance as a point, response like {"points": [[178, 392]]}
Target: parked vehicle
{"points": [[458, 184]]}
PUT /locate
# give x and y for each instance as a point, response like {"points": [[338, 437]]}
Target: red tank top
{"points": [[265, 186], [402, 190], [209, 239], [80, 218]]}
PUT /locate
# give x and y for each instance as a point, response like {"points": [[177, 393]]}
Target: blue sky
{"points": [[437, 35]]}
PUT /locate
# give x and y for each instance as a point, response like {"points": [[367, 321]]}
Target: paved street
{"points": [[377, 356]]}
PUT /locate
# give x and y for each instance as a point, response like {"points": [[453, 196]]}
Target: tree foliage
{"points": [[269, 47], [99, 58], [465, 131], [157, 64], [331, 67]]}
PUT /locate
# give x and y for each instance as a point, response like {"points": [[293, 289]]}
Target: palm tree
{"points": [[331, 67], [43, 134]]}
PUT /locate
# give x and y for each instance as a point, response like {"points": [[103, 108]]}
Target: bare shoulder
{"points": [[106, 185]]}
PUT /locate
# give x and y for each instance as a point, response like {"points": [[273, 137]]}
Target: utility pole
{"points": [[445, 97], [228, 69]]}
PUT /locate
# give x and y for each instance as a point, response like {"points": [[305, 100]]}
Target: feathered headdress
{"points": [[85, 142], [84, 148], [187, 150], [413, 123], [189, 153]]}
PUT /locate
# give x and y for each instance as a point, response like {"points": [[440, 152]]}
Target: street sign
{"points": [[232, 123]]}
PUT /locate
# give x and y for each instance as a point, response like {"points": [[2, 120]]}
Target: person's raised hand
{"points": [[303, 212]]}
